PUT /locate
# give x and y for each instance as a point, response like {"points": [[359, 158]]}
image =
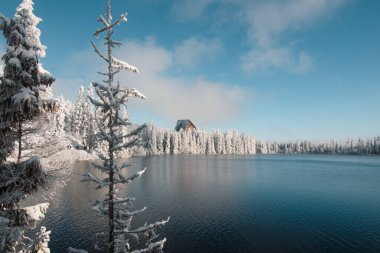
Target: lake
{"points": [[262, 203]]}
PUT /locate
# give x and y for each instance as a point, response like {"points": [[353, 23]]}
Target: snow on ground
{"points": [[69, 152], [58, 156], [59, 152]]}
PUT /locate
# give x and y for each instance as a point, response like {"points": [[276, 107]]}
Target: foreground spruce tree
{"points": [[111, 101], [23, 81]]}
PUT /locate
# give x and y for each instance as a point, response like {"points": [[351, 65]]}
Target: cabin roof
{"points": [[184, 124]]}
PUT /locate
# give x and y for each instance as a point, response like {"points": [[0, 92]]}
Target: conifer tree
{"points": [[24, 78], [78, 112], [21, 85], [109, 118]]}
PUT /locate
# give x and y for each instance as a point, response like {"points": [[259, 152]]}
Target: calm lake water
{"points": [[272, 203]]}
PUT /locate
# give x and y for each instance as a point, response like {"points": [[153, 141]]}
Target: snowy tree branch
{"points": [[148, 227], [127, 180], [152, 246], [123, 17], [98, 52], [102, 19], [119, 64]]}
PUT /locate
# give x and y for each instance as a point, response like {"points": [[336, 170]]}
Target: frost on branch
{"points": [[16, 182], [23, 79], [152, 247], [135, 93], [15, 222], [42, 245], [119, 64], [112, 124], [19, 180], [24, 13], [22, 85]]}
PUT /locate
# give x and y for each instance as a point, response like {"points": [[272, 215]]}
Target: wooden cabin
{"points": [[185, 124]]}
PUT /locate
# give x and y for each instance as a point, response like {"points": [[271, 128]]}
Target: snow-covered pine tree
{"points": [[166, 143], [89, 117], [175, 143], [21, 85], [109, 117], [78, 112], [152, 144], [42, 245], [24, 77], [63, 113]]}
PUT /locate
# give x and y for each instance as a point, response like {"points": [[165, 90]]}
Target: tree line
{"points": [[349, 147], [101, 122], [157, 141]]}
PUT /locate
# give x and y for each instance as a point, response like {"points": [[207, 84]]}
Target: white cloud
{"points": [[267, 23], [169, 97], [268, 20], [192, 9], [173, 97], [79, 69], [279, 58], [193, 50]]}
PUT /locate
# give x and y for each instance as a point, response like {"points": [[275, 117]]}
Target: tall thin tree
{"points": [[110, 119]]}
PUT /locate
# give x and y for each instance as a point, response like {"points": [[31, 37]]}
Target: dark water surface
{"points": [[273, 203]]}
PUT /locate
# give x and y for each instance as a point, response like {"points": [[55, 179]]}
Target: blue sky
{"points": [[279, 70]]}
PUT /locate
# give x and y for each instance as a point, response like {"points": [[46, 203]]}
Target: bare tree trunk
{"points": [[19, 133], [110, 146], [111, 210]]}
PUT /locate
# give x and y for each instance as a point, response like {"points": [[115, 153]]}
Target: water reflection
{"points": [[239, 204]]}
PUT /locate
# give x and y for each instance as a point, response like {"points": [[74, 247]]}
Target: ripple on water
{"points": [[240, 204]]}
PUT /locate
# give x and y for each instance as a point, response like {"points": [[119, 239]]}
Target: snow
{"points": [[119, 64], [43, 241], [149, 227], [72, 250], [28, 55], [14, 62], [164, 141], [135, 93], [69, 152], [42, 71], [36, 213], [116, 134], [26, 5], [126, 180], [25, 11], [25, 95], [59, 154], [152, 246]]}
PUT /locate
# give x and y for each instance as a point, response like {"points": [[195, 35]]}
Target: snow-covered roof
{"points": [[184, 124]]}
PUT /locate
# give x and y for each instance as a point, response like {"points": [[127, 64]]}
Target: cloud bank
{"points": [[193, 50], [180, 97], [267, 24], [169, 96]]}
